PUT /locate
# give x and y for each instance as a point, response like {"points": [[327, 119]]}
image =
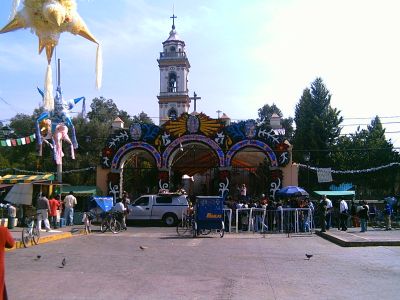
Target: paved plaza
{"points": [[238, 266]]}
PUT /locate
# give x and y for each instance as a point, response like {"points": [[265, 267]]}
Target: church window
{"points": [[172, 114], [172, 49], [172, 86]]}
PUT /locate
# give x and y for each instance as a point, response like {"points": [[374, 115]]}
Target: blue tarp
{"points": [[105, 203]]}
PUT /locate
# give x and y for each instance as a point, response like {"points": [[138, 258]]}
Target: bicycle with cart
{"points": [[209, 216], [101, 207]]}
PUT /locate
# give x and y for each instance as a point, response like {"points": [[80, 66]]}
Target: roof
{"points": [[25, 178], [335, 193], [80, 190], [20, 194]]}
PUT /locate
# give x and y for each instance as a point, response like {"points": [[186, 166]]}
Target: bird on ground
{"points": [[63, 263], [309, 256], [143, 247], [37, 257]]}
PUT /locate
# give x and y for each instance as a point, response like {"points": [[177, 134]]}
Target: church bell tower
{"points": [[174, 66]]}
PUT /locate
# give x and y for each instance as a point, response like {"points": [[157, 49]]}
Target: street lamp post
{"points": [[307, 157]]}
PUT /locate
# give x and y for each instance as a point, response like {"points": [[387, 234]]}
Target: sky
{"points": [[243, 55]]}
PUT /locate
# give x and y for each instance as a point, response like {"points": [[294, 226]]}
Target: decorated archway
{"points": [[219, 146]]}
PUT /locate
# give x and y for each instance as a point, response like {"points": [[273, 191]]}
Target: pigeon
{"points": [[309, 256], [63, 263], [143, 247], [37, 257]]}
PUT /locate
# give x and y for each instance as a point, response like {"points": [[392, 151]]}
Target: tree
{"points": [[264, 116], [142, 118], [317, 125], [367, 149], [103, 110]]}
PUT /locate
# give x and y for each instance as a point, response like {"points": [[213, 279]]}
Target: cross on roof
{"points": [[173, 20], [195, 98]]}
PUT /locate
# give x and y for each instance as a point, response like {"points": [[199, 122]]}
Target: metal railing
{"points": [[285, 220], [176, 54]]}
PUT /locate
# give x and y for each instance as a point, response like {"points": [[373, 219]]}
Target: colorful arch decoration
{"points": [[251, 143], [131, 146], [193, 138], [224, 139]]}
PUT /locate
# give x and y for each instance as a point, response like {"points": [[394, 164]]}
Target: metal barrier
{"points": [[228, 219], [242, 219], [285, 220]]}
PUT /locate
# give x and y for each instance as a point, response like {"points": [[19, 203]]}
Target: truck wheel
{"points": [[170, 219]]}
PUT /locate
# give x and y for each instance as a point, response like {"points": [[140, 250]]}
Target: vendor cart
{"points": [[209, 215]]}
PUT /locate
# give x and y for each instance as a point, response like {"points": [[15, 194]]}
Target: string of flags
{"points": [[42, 173], [18, 141], [393, 164]]}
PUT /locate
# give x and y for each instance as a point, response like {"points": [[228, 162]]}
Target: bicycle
{"points": [[185, 226], [30, 232], [110, 222]]}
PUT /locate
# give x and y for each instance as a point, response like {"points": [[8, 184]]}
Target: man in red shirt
{"points": [[54, 206], [6, 241]]}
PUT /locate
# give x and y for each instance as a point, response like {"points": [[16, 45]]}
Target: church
{"points": [[190, 150]]}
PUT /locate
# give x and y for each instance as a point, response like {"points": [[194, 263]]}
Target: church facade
{"points": [[214, 154]]}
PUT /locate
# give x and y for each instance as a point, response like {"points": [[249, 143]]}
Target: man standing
{"points": [[69, 203], [387, 212], [243, 193], [322, 212], [54, 206], [343, 207], [329, 210], [43, 208], [363, 214]]}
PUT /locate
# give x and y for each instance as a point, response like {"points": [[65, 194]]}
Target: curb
{"points": [[344, 243], [47, 239]]}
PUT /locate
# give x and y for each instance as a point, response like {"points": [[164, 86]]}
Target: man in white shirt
{"points": [[329, 211], [69, 203], [120, 207], [343, 207]]}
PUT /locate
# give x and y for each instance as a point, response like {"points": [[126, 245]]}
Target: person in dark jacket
{"points": [[363, 214]]}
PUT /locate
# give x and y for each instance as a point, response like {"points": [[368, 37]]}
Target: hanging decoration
{"points": [[53, 125], [41, 173], [370, 170], [48, 19], [18, 141]]}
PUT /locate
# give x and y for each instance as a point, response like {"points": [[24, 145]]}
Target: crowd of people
{"points": [[323, 213]]}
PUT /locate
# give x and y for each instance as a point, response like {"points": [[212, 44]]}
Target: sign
{"points": [[324, 175]]}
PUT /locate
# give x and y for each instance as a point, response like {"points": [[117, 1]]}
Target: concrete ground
{"points": [[154, 263]]}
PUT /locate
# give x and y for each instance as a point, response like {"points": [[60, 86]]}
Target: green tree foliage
{"points": [[317, 125], [142, 118], [367, 149], [264, 116], [103, 110]]}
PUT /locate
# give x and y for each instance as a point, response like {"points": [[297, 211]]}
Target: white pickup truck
{"points": [[165, 207]]}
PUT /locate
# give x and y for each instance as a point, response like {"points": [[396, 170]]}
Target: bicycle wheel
{"points": [[35, 235], [115, 226], [104, 225], [26, 236], [222, 230], [182, 227]]}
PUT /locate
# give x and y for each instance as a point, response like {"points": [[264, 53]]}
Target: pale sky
{"points": [[243, 54]]}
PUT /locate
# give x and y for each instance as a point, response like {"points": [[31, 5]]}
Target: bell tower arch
{"points": [[174, 66]]}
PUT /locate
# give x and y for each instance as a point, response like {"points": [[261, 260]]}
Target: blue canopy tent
{"points": [[105, 203], [292, 191]]}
